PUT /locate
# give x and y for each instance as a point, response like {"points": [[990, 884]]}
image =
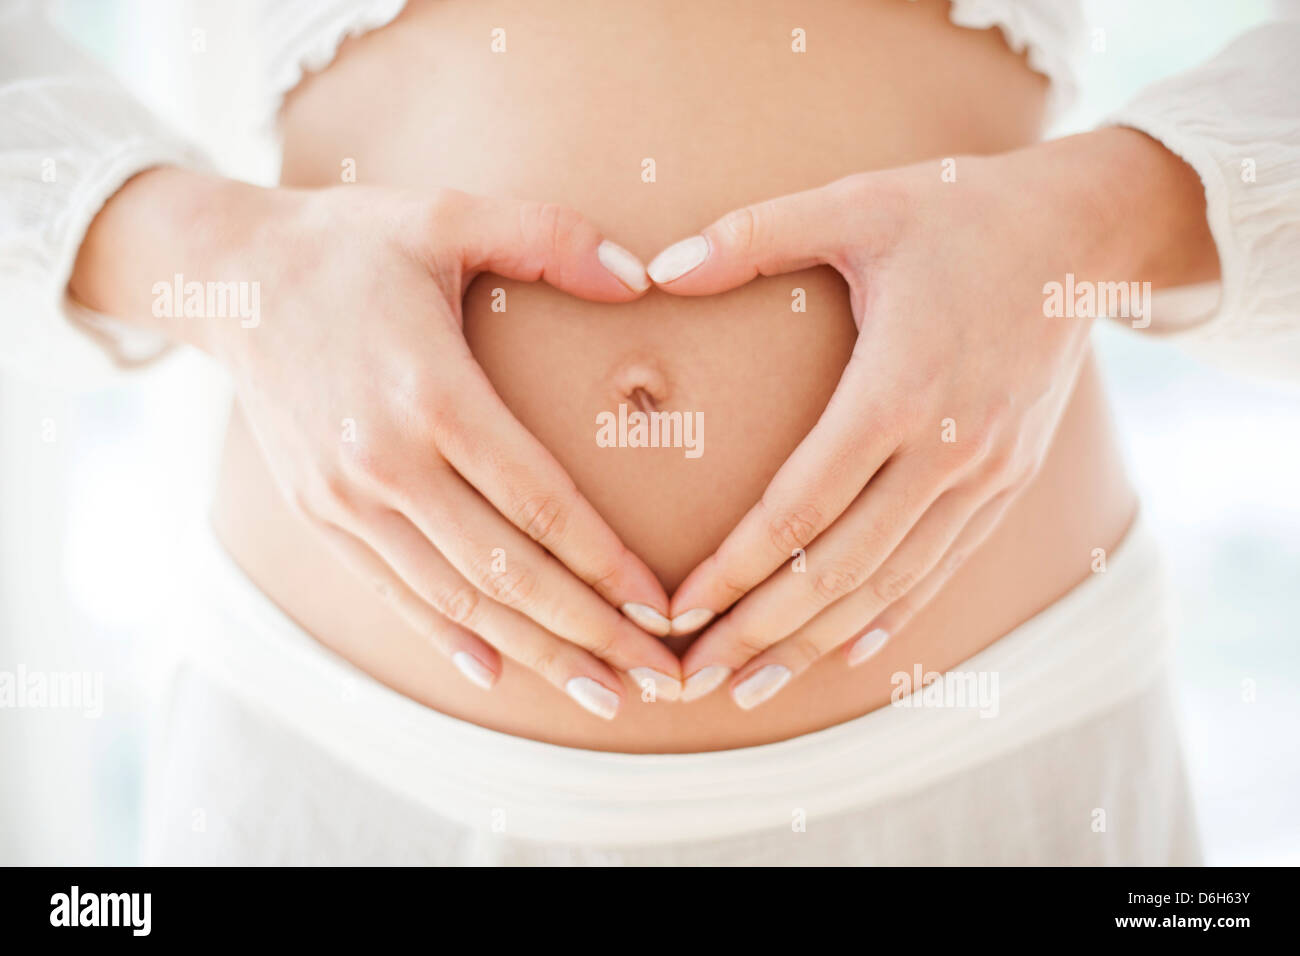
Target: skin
{"points": [[419, 500], [885, 513], [360, 606]]}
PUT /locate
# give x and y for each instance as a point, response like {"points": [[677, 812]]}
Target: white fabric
{"points": [[1236, 121], [304, 752]]}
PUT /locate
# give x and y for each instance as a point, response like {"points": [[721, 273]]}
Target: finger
{"points": [[854, 437], [911, 562], [512, 570], [534, 240], [534, 492], [878, 541], [580, 675], [771, 237], [900, 612], [476, 660]]}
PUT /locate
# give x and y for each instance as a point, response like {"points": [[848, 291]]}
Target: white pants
{"points": [[274, 751]]}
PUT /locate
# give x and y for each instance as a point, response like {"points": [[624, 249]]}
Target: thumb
{"points": [[536, 240], [792, 232]]}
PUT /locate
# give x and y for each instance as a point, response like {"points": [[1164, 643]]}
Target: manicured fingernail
{"points": [[765, 682], [679, 259], [704, 681], [626, 267], [867, 645], [691, 620], [474, 670], [597, 698], [648, 619], [666, 688]]}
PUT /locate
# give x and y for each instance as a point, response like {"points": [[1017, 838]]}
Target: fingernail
{"points": [[867, 645], [474, 670], [757, 688], [679, 259], [704, 681], [626, 267], [597, 698], [691, 620], [648, 619], [666, 688]]}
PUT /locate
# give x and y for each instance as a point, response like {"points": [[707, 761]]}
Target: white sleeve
{"points": [[70, 137], [1236, 121]]}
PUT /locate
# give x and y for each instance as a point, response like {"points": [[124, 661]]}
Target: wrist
{"points": [[165, 223], [1123, 206]]}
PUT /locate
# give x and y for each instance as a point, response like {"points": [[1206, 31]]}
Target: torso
{"points": [[729, 114]]}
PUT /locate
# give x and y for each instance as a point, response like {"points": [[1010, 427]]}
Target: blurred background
{"points": [[98, 489]]}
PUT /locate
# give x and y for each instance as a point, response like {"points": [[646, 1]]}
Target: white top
{"points": [[70, 136]]}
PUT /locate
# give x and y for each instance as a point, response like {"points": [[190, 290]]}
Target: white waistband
{"points": [[1100, 644]]}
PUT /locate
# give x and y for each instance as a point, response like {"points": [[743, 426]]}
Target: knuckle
{"points": [[549, 664], [606, 578], [794, 529], [890, 584], [543, 518], [734, 588], [556, 224], [513, 587], [747, 643], [434, 415], [365, 463], [602, 644], [804, 648], [742, 228], [457, 604], [839, 579]]}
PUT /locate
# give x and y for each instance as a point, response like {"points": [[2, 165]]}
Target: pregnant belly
{"points": [[653, 124]]}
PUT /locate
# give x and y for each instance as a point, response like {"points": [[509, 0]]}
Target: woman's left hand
{"points": [[942, 416]]}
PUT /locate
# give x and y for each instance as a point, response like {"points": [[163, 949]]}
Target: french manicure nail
{"points": [[626, 267], [666, 688], [755, 689], [704, 681], [648, 619], [867, 645], [473, 669], [592, 696], [691, 620], [679, 259]]}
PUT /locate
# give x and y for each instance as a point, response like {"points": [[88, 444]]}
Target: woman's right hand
{"points": [[376, 419]]}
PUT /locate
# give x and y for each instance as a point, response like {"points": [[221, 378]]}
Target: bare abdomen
{"points": [[713, 95]]}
